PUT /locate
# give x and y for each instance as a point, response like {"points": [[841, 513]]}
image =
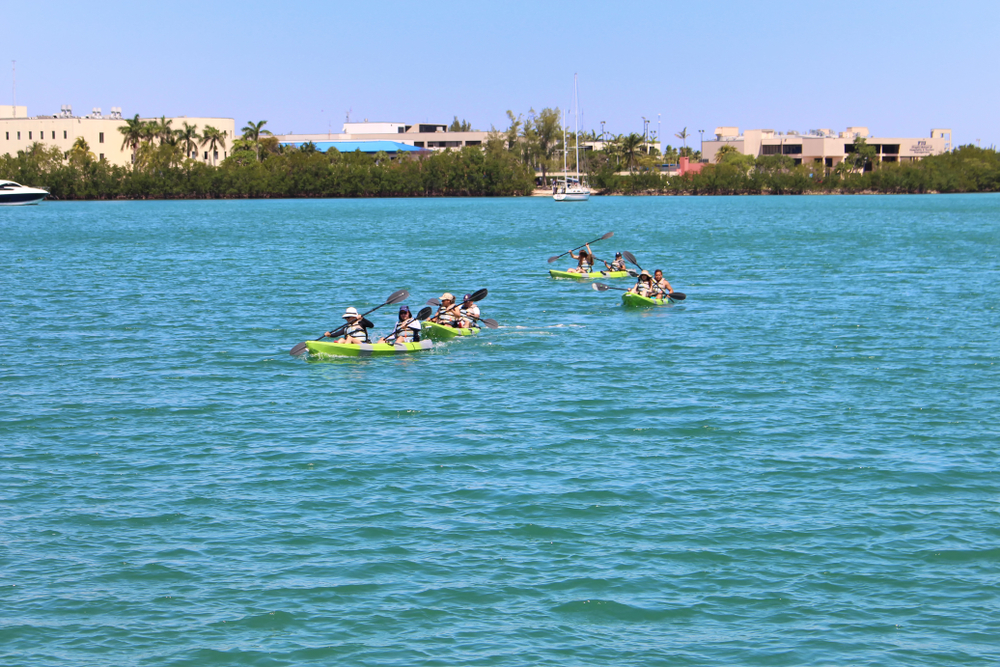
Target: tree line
{"points": [[164, 166]]}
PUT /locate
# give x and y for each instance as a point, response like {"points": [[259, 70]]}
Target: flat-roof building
{"points": [[18, 132], [432, 136], [824, 145]]}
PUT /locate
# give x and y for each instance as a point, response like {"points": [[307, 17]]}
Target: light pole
{"points": [[659, 136], [702, 149], [602, 133]]}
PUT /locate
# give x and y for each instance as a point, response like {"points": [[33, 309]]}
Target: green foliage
{"points": [[456, 126]]}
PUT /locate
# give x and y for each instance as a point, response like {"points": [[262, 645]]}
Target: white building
{"points": [[433, 136], [18, 132]]}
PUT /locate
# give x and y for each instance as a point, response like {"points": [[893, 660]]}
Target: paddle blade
{"points": [[633, 273], [479, 295], [677, 296], [630, 258], [490, 323], [552, 259], [434, 302], [298, 349], [600, 287], [607, 236], [396, 297], [424, 313]]}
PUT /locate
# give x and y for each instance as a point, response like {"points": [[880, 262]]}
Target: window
{"points": [[890, 149], [18, 136], [770, 150], [798, 160], [102, 157], [206, 155], [100, 138], [792, 149], [418, 144], [29, 135], [829, 162], [64, 134]]}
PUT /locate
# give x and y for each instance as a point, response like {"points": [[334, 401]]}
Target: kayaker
{"points": [[618, 264], [585, 261], [661, 286], [467, 311], [407, 329], [357, 328], [644, 284], [446, 314]]}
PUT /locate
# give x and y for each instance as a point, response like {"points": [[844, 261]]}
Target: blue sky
{"points": [[899, 68]]}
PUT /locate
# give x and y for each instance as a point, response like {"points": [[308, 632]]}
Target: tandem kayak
{"points": [[588, 276], [365, 349], [436, 331], [635, 301]]}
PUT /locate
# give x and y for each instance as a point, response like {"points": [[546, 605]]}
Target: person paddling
{"points": [[618, 264], [357, 328], [467, 311], [644, 285], [446, 314], [585, 261], [407, 329], [661, 286]]}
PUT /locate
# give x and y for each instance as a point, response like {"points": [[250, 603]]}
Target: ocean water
{"points": [[796, 465]]}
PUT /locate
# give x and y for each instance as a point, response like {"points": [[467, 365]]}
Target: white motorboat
{"points": [[572, 191], [15, 194]]}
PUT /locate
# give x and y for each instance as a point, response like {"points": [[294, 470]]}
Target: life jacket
{"points": [[472, 310], [642, 288], [405, 332], [660, 287], [618, 265], [585, 264], [446, 318], [357, 331]]}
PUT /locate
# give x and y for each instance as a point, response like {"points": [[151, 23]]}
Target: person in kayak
{"points": [[618, 264], [661, 286], [407, 329], [446, 313], [585, 261], [467, 311], [357, 328], [644, 285]]}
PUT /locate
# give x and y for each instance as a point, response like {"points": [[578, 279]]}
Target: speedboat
{"points": [[15, 194]]}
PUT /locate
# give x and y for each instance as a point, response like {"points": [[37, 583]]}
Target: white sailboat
{"points": [[573, 191]]}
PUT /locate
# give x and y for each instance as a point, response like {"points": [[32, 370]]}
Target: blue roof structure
{"points": [[351, 146]]}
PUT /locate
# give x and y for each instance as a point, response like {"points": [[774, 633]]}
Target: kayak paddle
{"points": [[631, 258], [423, 314], [395, 297], [606, 236], [601, 287]]}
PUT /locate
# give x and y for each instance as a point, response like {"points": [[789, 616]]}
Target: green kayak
{"points": [[365, 349], [436, 331], [636, 301], [588, 276]]}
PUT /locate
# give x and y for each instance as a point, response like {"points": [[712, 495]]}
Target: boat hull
{"points": [[436, 331], [593, 275], [630, 300], [365, 349], [572, 196], [23, 198]]}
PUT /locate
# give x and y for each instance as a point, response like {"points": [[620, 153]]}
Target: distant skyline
{"points": [[898, 68]]}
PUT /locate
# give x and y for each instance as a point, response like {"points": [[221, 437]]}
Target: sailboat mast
{"points": [[565, 180], [576, 126]]}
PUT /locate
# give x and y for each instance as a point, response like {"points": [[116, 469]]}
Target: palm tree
{"points": [[80, 152], [630, 146], [723, 151], [188, 138], [133, 131], [165, 134], [215, 139], [252, 132], [683, 136]]}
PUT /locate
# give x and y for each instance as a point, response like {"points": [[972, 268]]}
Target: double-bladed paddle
{"points": [[601, 287], [606, 236], [631, 258], [395, 297]]}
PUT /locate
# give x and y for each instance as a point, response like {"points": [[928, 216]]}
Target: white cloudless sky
{"points": [[899, 68]]}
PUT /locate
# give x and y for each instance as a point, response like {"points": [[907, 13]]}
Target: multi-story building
{"points": [[825, 146], [433, 136], [18, 131]]}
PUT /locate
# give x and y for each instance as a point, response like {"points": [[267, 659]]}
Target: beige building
{"points": [[18, 132], [825, 146], [432, 136]]}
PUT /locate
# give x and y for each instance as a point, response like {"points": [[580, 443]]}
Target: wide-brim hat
{"points": [[350, 312], [447, 296], [645, 273]]}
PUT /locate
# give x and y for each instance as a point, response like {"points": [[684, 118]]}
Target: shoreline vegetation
{"points": [[258, 167]]}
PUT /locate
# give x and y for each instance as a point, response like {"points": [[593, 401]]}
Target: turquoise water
{"points": [[796, 465]]}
